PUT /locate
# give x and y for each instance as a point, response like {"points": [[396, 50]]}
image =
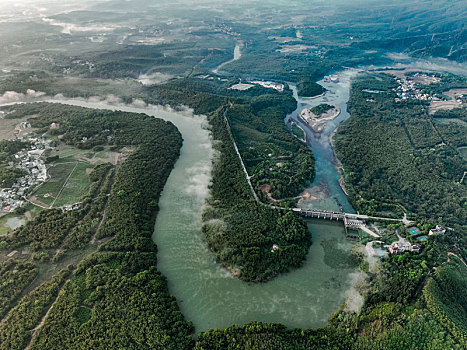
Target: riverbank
{"points": [[325, 192], [339, 166]]}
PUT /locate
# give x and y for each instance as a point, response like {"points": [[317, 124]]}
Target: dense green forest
{"points": [[396, 156], [271, 154], [15, 275], [97, 265], [15, 332], [308, 88], [240, 230], [321, 108], [117, 288]]}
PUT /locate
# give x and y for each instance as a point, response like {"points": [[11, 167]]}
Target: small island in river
{"points": [[317, 117]]}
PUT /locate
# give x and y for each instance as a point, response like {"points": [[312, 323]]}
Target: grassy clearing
{"points": [[58, 174], [3, 228], [9, 222], [70, 153], [76, 187], [33, 210]]}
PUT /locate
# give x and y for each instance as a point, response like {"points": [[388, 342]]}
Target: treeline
{"points": [[46, 230], [115, 300], [321, 108], [455, 113], [266, 336], [393, 156], [16, 331], [15, 276], [307, 87], [446, 298]]}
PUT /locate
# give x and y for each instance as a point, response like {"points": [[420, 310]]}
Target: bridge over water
{"points": [[351, 221]]}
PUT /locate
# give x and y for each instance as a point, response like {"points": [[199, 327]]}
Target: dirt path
{"points": [[457, 256], [93, 239], [34, 331], [34, 201], [4, 319], [367, 230], [65, 183]]}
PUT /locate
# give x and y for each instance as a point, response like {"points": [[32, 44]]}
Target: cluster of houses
{"points": [[409, 87], [225, 29], [71, 207], [267, 84], [29, 160], [403, 245], [333, 78]]}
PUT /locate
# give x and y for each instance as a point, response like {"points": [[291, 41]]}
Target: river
{"points": [[207, 293], [328, 194]]}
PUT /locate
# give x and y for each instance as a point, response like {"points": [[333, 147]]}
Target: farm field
{"points": [[68, 183]]}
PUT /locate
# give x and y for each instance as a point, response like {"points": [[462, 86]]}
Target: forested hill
{"points": [[115, 297]]}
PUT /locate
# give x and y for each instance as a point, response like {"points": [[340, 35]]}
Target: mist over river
{"points": [[207, 293]]}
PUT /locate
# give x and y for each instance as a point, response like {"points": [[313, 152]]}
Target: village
{"points": [[266, 84], [31, 161], [409, 87]]}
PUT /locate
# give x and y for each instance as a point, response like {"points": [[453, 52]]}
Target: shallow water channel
{"points": [[326, 186]]}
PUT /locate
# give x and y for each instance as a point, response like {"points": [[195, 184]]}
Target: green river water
{"points": [[207, 293]]}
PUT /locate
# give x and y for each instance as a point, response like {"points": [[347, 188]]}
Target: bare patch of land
{"points": [[241, 86], [10, 128], [318, 122], [451, 104]]}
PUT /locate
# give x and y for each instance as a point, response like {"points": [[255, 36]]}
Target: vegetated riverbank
{"points": [[119, 281], [325, 192], [373, 145], [254, 241], [394, 303]]}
